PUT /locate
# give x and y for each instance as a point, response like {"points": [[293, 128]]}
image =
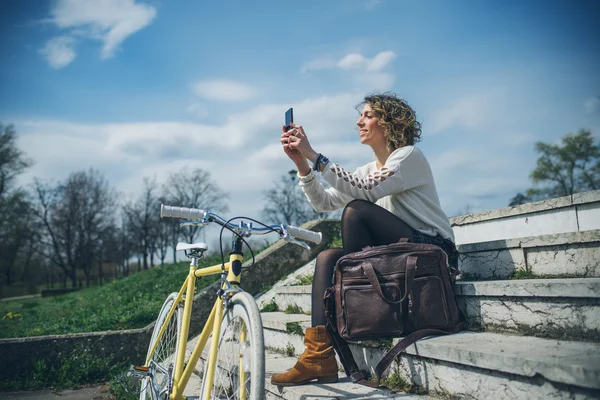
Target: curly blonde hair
{"points": [[396, 117]]}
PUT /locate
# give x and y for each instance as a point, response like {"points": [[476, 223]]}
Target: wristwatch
{"points": [[320, 161]]}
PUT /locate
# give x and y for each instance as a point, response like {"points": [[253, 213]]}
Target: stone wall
{"points": [[577, 213], [130, 346]]}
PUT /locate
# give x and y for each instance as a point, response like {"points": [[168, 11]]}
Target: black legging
{"points": [[363, 224]]}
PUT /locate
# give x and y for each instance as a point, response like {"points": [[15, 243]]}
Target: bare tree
{"points": [[142, 219], [163, 236], [16, 226], [76, 214], [17, 234], [193, 189], [12, 160]]}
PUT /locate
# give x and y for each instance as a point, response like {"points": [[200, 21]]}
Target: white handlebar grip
{"points": [[304, 234], [181, 212]]}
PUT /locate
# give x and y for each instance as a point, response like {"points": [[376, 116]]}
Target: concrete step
{"points": [[576, 213], [343, 389], [574, 254], [566, 309], [477, 365], [307, 269], [277, 362]]}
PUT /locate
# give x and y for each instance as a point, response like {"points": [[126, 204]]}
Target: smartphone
{"points": [[289, 118]]}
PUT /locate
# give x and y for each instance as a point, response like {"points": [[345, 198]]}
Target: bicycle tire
{"points": [[243, 312], [166, 350]]}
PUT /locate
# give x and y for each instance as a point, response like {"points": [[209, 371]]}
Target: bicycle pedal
{"points": [[138, 372]]}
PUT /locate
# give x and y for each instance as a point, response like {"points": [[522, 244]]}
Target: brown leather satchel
{"points": [[390, 291]]}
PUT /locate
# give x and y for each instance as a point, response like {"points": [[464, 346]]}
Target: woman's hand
{"points": [[297, 140], [294, 154]]}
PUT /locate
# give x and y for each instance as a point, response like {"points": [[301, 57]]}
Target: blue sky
{"points": [[142, 88]]}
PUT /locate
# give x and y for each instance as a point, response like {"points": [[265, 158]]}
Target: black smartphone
{"points": [[289, 118]]}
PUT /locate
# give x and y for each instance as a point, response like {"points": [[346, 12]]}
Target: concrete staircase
{"points": [[532, 303]]}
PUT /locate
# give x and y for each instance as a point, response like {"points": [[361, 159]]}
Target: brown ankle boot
{"points": [[317, 362]]}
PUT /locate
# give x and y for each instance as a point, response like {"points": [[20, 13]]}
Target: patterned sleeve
{"points": [[322, 200], [372, 187]]}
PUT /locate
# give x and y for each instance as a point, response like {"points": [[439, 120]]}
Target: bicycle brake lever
{"points": [[297, 242], [202, 222]]}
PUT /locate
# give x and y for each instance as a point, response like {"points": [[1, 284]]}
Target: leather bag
{"points": [[401, 289]]}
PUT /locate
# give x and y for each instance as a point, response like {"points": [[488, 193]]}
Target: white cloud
{"points": [[246, 146], [479, 176], [110, 21], [473, 111], [353, 62], [592, 106], [59, 51], [223, 90], [380, 61], [362, 74]]}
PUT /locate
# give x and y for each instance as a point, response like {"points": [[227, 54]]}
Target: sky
{"points": [[141, 89]]}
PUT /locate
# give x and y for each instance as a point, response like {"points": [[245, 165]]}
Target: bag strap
{"points": [[350, 367], [411, 264], [407, 341], [347, 359]]}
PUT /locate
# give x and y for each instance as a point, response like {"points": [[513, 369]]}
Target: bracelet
{"points": [[317, 162], [323, 162]]}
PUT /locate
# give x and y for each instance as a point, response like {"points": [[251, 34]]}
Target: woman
{"points": [[390, 198]]}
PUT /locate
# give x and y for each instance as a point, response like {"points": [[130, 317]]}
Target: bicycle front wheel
{"points": [[165, 353], [240, 369]]}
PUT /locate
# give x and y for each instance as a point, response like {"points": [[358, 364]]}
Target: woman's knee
{"points": [[356, 209], [328, 257], [326, 260]]}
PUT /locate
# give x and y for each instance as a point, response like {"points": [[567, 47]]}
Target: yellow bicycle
{"points": [[234, 358]]}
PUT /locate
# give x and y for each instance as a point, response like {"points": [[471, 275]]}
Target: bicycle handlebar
{"points": [[196, 214], [181, 212], [304, 234]]}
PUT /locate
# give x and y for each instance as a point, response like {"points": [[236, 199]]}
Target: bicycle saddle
{"points": [[193, 246]]}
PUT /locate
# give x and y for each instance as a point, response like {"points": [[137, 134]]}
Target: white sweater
{"points": [[404, 186]]}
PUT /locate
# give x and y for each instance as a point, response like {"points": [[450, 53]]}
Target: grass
{"points": [[396, 382], [270, 306], [75, 369], [293, 309], [127, 303], [294, 328], [521, 273], [303, 280], [289, 350]]}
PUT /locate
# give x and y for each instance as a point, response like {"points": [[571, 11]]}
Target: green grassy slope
{"points": [[127, 303]]}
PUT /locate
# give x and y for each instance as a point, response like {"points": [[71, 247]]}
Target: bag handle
{"points": [[411, 264]]}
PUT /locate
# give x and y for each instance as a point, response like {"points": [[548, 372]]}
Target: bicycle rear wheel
{"points": [[240, 369], [166, 350]]}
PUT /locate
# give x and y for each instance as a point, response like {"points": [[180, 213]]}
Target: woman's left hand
{"points": [[299, 141]]}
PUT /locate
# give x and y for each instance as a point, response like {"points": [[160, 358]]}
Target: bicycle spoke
{"points": [[239, 372]]}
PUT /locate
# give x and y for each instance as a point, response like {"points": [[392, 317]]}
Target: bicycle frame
{"points": [[213, 324]]}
